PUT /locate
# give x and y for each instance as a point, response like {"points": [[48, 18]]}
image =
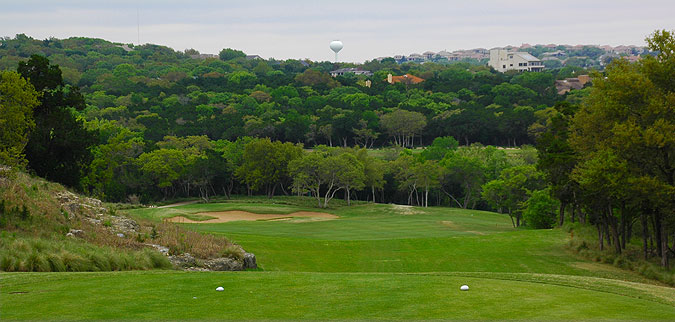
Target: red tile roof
{"points": [[407, 78]]}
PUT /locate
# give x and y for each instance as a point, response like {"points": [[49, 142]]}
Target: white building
{"points": [[503, 60], [416, 58], [355, 71]]}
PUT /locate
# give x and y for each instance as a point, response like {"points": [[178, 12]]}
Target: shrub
{"points": [[540, 210]]}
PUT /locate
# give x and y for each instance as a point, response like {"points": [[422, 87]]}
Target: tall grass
{"points": [[34, 254], [33, 198], [180, 240], [585, 244]]}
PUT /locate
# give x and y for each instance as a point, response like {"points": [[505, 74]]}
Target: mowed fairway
{"points": [[373, 262]]}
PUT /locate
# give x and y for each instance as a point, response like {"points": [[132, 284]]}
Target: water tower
{"points": [[336, 46]]}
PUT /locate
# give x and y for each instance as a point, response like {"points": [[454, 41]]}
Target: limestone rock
{"points": [[124, 224], [162, 249], [183, 260], [76, 233], [224, 264], [249, 261]]}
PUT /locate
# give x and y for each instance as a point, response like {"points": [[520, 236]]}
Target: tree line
{"points": [[610, 161]]}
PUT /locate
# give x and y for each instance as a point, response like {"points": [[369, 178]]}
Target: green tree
{"points": [[540, 82], [604, 178], [510, 191], [557, 158], [317, 79], [404, 173], [540, 210], [350, 174], [320, 169], [17, 100], [308, 175], [229, 54], [629, 115], [463, 175], [373, 170], [233, 153], [439, 148], [163, 168], [403, 125], [112, 170], [59, 147], [265, 164], [507, 95], [427, 175]]}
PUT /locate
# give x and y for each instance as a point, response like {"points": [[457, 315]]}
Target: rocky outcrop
{"points": [[230, 264], [249, 261], [75, 204], [183, 261], [224, 264], [93, 211]]}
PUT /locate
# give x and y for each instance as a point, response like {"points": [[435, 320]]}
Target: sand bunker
{"points": [[235, 215]]}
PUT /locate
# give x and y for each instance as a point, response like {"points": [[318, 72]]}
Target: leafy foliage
{"points": [[17, 99]]}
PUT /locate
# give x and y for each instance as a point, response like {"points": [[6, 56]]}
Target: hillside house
{"points": [[503, 60], [405, 79], [355, 71], [565, 85]]}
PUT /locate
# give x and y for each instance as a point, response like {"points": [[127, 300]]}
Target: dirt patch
{"points": [[405, 210], [449, 224], [236, 215]]}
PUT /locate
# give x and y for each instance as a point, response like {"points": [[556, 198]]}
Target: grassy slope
{"points": [[375, 262]]}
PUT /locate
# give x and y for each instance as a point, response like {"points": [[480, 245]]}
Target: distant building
{"points": [[125, 47], [203, 56], [405, 79], [633, 58], [355, 71], [568, 84], [503, 60], [557, 53], [429, 55], [416, 58], [448, 55], [400, 59], [250, 57]]}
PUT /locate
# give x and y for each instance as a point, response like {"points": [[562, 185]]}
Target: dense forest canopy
{"points": [[157, 91]]}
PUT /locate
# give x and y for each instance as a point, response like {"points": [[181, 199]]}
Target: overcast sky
{"points": [[368, 28]]}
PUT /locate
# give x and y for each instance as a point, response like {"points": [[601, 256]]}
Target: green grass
{"points": [[191, 211], [374, 262], [291, 295]]}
